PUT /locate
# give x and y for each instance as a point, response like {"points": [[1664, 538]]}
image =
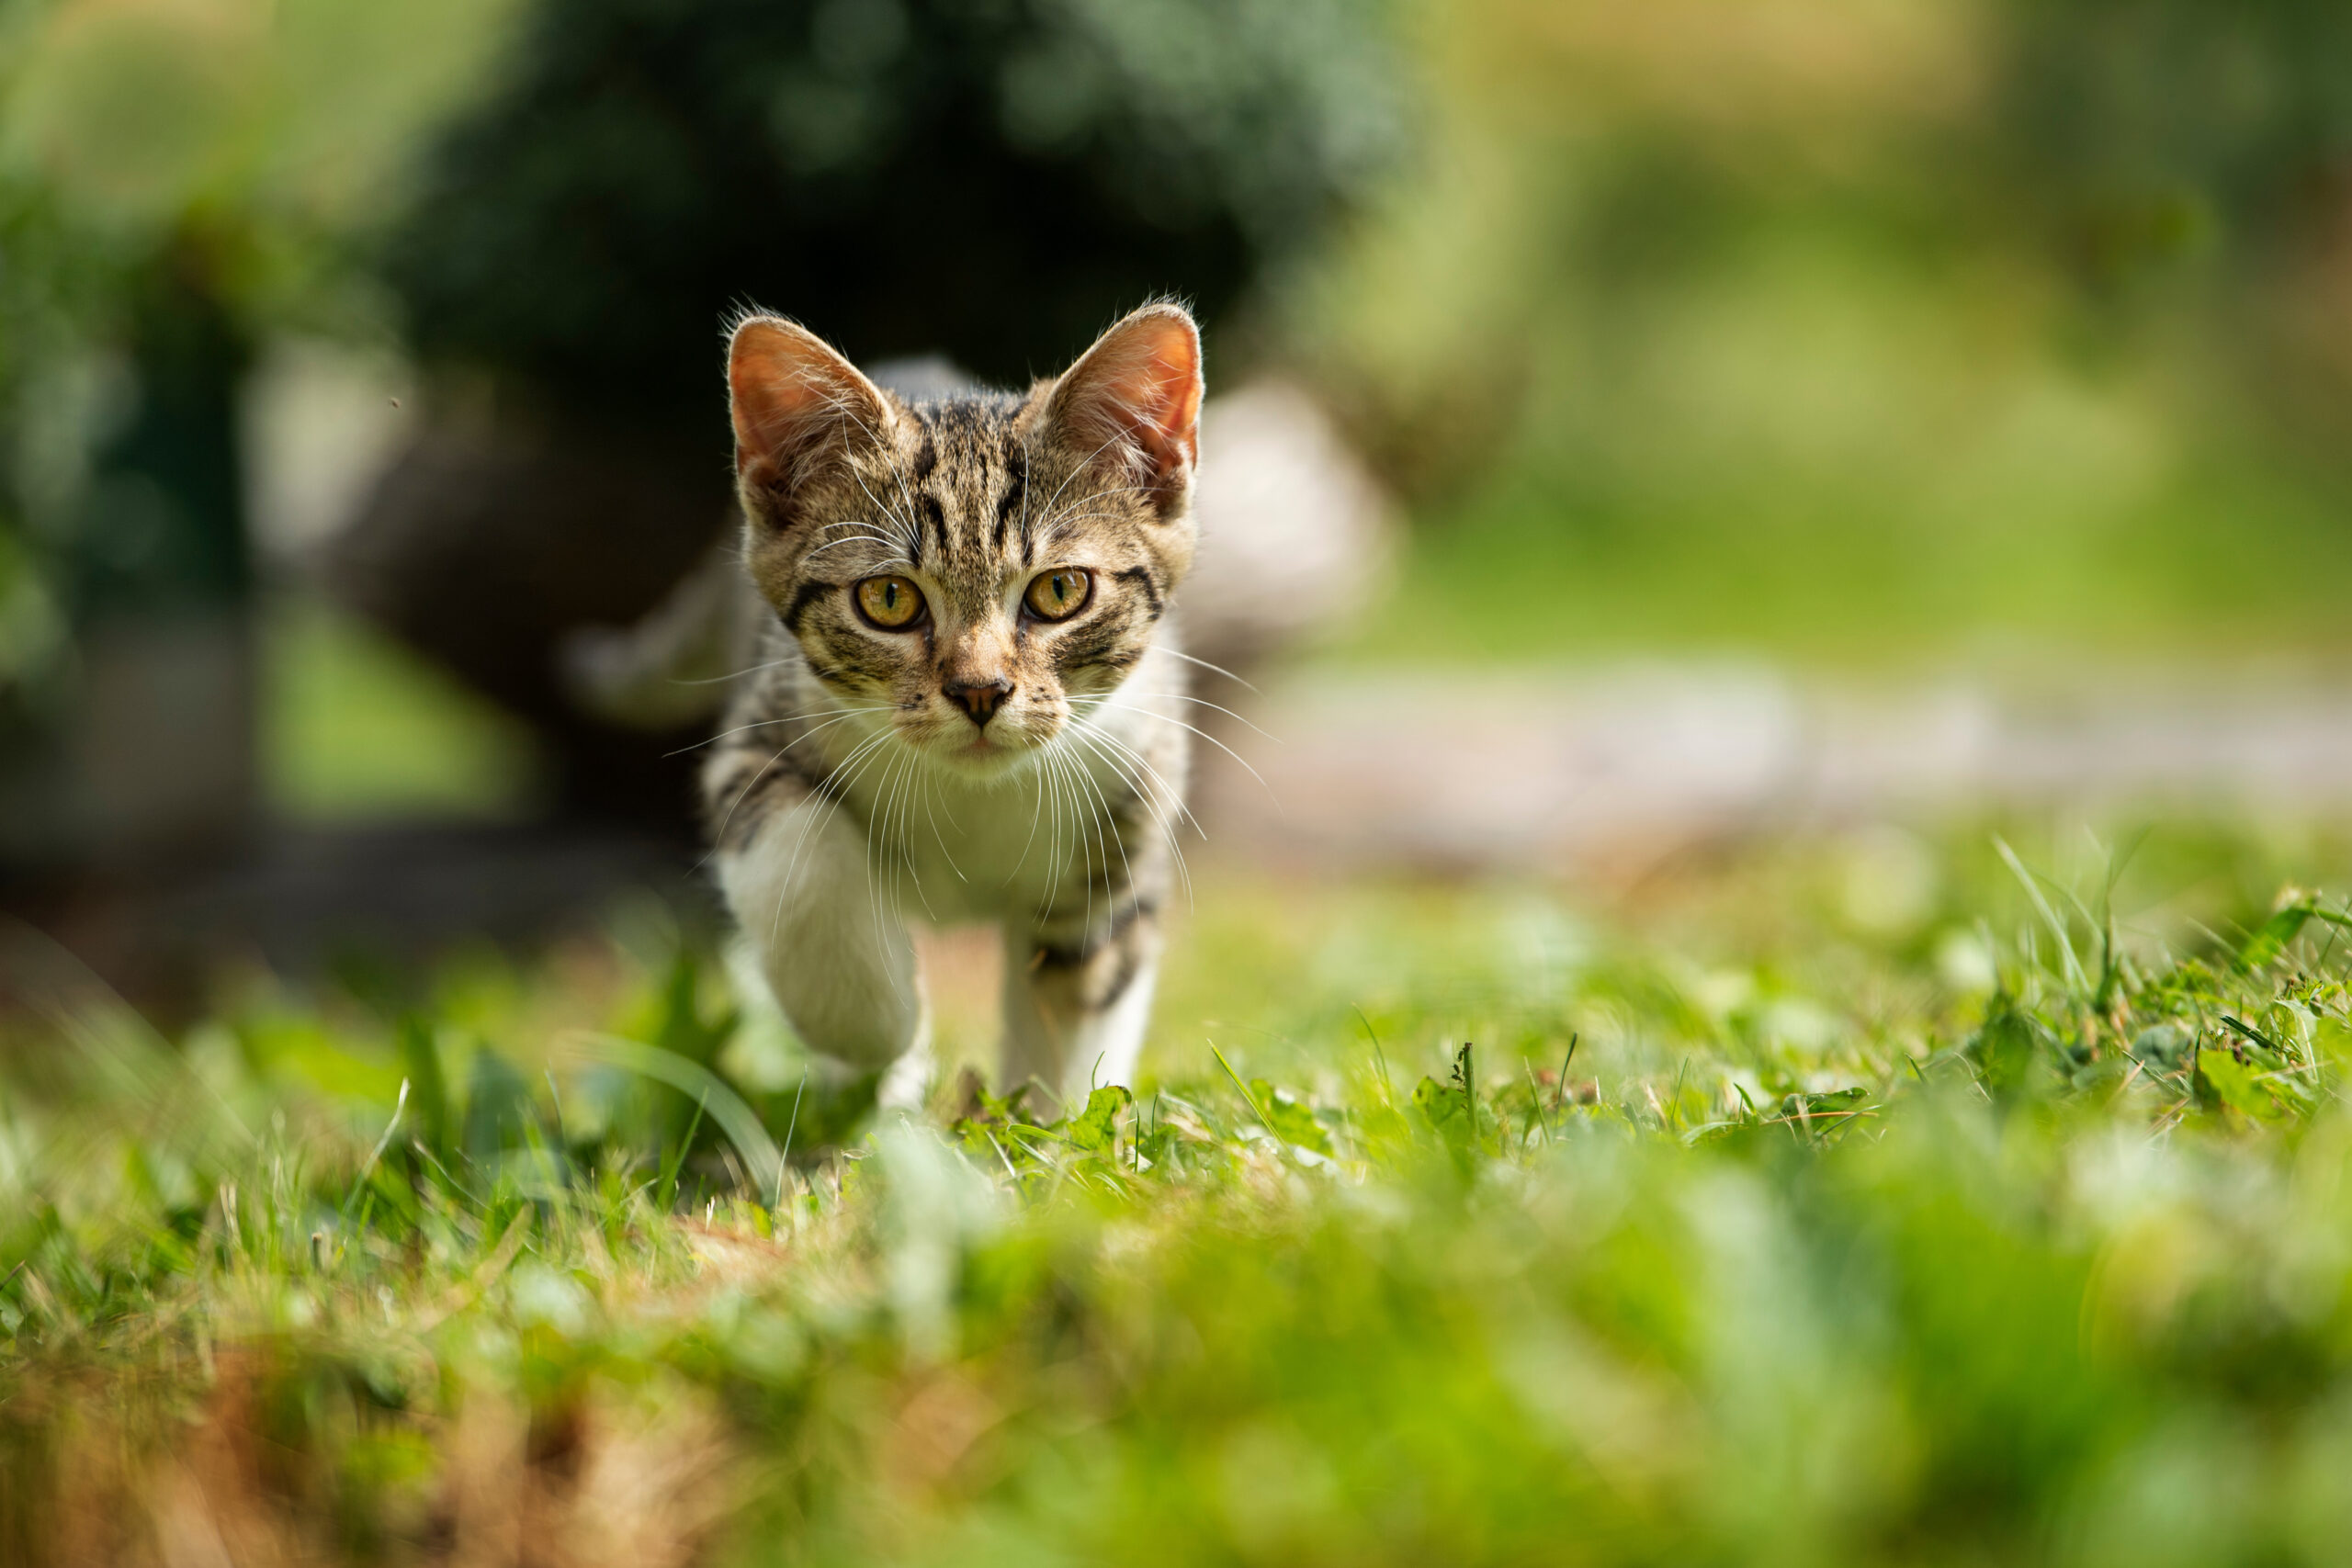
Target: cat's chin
{"points": [[986, 755]]}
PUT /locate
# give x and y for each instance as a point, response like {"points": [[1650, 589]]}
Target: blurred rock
{"points": [[1606, 774], [1295, 535]]}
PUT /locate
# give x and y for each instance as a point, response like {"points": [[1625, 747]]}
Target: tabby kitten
{"points": [[963, 705]]}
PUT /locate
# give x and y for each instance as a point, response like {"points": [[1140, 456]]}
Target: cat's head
{"points": [[967, 569]]}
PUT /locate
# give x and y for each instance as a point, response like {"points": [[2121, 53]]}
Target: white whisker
{"points": [[736, 675], [1150, 798], [1214, 669], [1187, 697], [837, 716], [1172, 719]]}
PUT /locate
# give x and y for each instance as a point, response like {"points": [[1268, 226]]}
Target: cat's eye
{"points": [[894, 603], [1058, 594]]}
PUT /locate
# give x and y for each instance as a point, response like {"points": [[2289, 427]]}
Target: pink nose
{"points": [[979, 699]]}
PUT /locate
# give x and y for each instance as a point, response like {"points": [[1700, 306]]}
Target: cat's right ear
{"points": [[798, 407]]}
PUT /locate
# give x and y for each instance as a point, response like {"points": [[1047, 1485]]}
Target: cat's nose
{"points": [[979, 699]]}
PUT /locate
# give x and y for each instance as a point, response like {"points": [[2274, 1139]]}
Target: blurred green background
{"points": [[1855, 333], [1849, 330]]}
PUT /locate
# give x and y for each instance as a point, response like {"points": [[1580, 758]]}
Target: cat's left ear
{"points": [[1132, 403]]}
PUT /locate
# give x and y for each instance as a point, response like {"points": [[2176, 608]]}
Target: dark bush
{"points": [[992, 179]]}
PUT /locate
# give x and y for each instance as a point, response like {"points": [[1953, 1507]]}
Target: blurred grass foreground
{"points": [[1980, 1225]]}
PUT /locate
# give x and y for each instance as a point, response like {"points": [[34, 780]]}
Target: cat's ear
{"points": [[1132, 403], [797, 407]]}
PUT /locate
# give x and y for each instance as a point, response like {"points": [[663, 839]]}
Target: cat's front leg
{"points": [[1078, 1001], [828, 940]]}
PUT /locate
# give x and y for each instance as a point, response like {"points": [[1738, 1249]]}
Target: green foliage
{"points": [[1846, 330], [643, 169], [2148, 131], [1094, 1128], [2052, 1272], [175, 183]]}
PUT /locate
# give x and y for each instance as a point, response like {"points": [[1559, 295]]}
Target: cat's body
{"points": [[965, 702]]}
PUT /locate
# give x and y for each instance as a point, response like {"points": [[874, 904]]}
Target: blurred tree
{"points": [[2145, 129], [1850, 326], [990, 180], [176, 179], [2174, 173], [2184, 159]]}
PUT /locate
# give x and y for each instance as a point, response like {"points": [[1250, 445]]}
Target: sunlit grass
{"points": [[1859, 1199]]}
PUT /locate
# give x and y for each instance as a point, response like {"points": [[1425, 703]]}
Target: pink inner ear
{"points": [[1142, 384], [794, 401], [767, 396], [1167, 386]]}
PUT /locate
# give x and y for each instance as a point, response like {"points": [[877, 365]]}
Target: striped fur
{"points": [[851, 789]]}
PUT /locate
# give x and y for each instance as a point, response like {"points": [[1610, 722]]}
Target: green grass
{"points": [[1852, 1200], [357, 727], [1863, 577]]}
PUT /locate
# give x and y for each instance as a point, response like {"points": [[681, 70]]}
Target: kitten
{"points": [[962, 703]]}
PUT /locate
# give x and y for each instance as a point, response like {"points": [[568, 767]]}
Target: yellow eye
{"points": [[1058, 594], [893, 604]]}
